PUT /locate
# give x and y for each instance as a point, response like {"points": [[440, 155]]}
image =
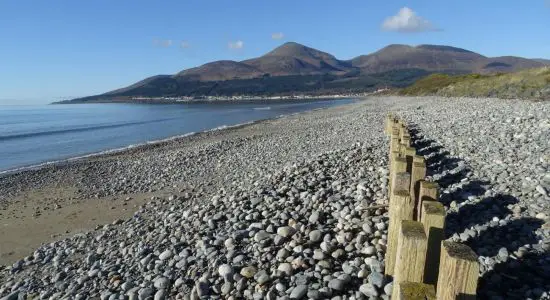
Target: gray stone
{"points": [[298, 292]]}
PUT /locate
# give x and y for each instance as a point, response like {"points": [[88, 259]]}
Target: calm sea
{"points": [[32, 135]]}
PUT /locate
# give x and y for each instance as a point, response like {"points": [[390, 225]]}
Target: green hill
{"points": [[528, 84]]}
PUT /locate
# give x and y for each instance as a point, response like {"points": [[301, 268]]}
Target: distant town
{"points": [[256, 97]]}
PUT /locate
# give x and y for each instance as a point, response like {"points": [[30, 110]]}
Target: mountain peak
{"points": [[293, 49]]}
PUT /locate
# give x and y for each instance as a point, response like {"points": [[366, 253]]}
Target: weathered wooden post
{"points": [[408, 153], [411, 255], [399, 166], [458, 272], [418, 172], [406, 140], [433, 220], [390, 120], [429, 191], [416, 291], [401, 208]]}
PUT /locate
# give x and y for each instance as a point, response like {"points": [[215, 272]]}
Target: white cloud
{"points": [[277, 35], [236, 45], [407, 20], [162, 43], [185, 44]]}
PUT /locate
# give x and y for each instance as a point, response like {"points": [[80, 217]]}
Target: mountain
{"points": [[426, 57], [293, 67], [221, 70], [295, 59]]}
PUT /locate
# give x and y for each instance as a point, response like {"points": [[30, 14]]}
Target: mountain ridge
{"points": [[296, 67]]}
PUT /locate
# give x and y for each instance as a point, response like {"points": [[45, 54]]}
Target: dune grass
{"points": [[527, 84]]}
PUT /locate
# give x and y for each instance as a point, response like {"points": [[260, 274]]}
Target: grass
{"points": [[527, 84]]}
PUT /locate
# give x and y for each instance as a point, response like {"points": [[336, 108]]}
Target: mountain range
{"points": [[295, 68]]}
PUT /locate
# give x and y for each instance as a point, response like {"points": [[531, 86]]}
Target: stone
{"points": [[315, 236], [368, 290], [376, 279], [161, 283], [336, 284], [165, 255], [298, 292], [285, 231], [249, 271], [285, 268], [225, 271]]}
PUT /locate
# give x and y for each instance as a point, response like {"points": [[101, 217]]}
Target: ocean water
{"points": [[34, 135]]}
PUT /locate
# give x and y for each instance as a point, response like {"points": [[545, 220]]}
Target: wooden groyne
{"points": [[423, 265]]}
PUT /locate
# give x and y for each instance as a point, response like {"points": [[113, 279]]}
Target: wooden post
{"points": [[403, 131], [394, 147], [416, 291], [433, 220], [429, 191], [458, 272], [408, 153], [399, 166], [390, 120], [418, 172], [411, 255], [401, 208], [418, 158], [406, 140]]}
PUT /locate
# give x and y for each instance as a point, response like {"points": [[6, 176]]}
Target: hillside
{"points": [[527, 84], [295, 68]]}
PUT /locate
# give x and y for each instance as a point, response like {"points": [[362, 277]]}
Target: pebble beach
{"points": [[288, 208]]}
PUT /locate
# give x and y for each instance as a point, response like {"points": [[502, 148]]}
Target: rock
{"points": [[261, 235], [285, 231], [314, 217], [161, 283], [368, 290], [285, 268], [249, 271], [541, 216], [315, 236], [541, 190], [298, 292], [376, 279], [225, 271], [282, 253], [336, 284], [165, 255], [388, 288], [263, 278]]}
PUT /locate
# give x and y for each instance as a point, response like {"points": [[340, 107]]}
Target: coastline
{"points": [[51, 187], [249, 197], [158, 142]]}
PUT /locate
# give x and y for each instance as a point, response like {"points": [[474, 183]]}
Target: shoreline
{"points": [[154, 143], [259, 99], [53, 190], [282, 198]]}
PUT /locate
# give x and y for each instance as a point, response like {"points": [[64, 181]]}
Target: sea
{"points": [[32, 136]]}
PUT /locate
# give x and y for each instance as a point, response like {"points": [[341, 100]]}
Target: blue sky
{"points": [[56, 49]]}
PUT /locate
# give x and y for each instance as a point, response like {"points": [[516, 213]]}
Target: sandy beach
{"points": [[277, 208]]}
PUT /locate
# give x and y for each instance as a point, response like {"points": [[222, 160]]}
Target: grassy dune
{"points": [[527, 84]]}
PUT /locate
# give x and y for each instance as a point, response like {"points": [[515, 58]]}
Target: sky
{"points": [[59, 49]]}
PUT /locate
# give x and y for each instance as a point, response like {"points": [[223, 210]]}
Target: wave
{"points": [[79, 129], [262, 108]]}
